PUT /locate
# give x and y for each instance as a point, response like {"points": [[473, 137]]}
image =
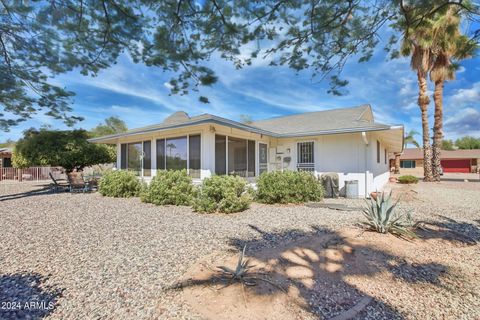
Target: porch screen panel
{"points": [[194, 154], [134, 155], [237, 156], [161, 154], [251, 158], [220, 154], [123, 156], [305, 156], [147, 158], [176, 153]]}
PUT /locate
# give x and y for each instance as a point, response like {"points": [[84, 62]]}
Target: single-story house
{"points": [[462, 161], [347, 141], [6, 157]]}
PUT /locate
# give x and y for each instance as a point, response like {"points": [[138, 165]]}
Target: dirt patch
{"points": [[326, 275]]}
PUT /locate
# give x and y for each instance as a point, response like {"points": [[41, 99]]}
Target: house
{"points": [[461, 161], [6, 157], [347, 141]]}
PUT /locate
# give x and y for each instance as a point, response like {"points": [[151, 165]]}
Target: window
{"points": [[123, 156], [251, 158], [147, 158], [220, 158], [161, 154], [134, 157], [407, 164], [194, 156], [378, 151], [176, 153], [180, 153], [305, 156], [240, 154], [263, 157], [385, 156]]}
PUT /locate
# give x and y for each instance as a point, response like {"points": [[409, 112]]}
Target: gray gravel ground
{"points": [[96, 257]]}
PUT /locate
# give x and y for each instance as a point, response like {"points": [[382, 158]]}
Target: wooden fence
{"points": [[28, 174]]}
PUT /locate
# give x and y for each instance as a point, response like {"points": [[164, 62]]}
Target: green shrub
{"points": [[288, 187], [169, 187], [119, 184], [407, 179], [225, 194], [382, 217]]}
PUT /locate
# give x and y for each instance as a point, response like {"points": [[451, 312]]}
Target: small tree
{"points": [[68, 149], [447, 145], [111, 125], [468, 142]]}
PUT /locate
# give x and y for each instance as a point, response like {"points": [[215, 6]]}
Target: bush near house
{"points": [[169, 187], [225, 194], [119, 184], [407, 179], [288, 187]]}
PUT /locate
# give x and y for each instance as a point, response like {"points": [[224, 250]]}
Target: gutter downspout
{"points": [[365, 140]]}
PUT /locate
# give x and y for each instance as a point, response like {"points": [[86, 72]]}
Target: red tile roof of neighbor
{"points": [[416, 153]]}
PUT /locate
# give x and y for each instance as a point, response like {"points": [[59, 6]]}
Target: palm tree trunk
{"points": [[437, 129], [423, 102], [397, 163]]}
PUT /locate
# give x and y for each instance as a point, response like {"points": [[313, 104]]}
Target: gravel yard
{"points": [[96, 257]]}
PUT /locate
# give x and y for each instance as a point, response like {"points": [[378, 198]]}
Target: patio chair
{"points": [[58, 184], [76, 183]]}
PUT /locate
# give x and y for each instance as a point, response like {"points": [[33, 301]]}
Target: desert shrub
{"points": [[119, 184], [169, 187], [288, 187], [407, 179], [225, 194], [382, 217]]}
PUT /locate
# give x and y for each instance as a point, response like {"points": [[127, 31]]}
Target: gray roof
{"points": [[336, 120], [344, 120]]}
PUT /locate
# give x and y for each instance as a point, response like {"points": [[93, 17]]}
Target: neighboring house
{"points": [[462, 161], [6, 157], [347, 141]]}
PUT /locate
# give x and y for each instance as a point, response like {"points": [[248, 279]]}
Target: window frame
{"points": [[411, 162], [187, 136], [305, 166], [378, 151], [227, 171]]}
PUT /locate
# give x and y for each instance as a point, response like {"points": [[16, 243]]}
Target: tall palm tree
{"points": [[450, 44], [418, 46]]}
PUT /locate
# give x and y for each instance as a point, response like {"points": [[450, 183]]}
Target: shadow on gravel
{"points": [[456, 232], [315, 265], [26, 296], [39, 192]]}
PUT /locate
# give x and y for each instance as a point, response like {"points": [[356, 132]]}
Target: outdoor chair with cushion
{"points": [[77, 183]]}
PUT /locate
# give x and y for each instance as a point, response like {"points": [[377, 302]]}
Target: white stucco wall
{"points": [[345, 154]]}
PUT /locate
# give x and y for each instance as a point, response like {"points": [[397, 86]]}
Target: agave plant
{"points": [[382, 217], [240, 272], [243, 274]]}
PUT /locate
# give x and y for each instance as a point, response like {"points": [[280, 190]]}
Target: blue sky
{"points": [[139, 94]]}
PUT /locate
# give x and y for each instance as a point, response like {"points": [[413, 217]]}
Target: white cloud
{"points": [[464, 122], [463, 97]]}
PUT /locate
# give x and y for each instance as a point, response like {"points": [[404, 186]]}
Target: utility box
{"points": [[351, 189]]}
